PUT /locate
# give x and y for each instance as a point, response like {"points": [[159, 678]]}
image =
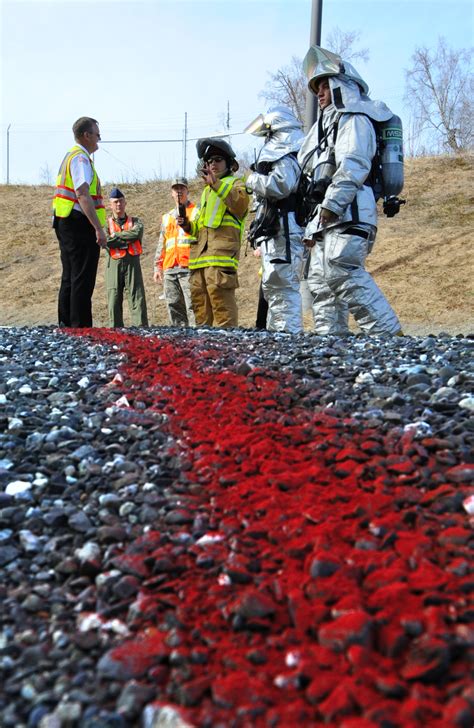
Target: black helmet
{"points": [[215, 145]]}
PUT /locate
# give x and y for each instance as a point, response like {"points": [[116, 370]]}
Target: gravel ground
{"points": [[235, 528]]}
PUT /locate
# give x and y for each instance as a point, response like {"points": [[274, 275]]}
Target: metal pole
{"points": [[185, 141], [314, 39], [8, 154]]}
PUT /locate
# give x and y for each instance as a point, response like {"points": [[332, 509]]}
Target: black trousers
{"points": [[262, 310], [80, 258]]}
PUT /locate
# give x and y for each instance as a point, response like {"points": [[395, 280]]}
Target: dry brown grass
{"points": [[421, 260]]}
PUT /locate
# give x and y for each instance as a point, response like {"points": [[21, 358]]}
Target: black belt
{"points": [[356, 231]]}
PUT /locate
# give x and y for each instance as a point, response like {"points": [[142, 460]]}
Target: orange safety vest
{"points": [[134, 247], [175, 251]]}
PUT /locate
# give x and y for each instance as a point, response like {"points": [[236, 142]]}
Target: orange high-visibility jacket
{"points": [[175, 242], [134, 246]]}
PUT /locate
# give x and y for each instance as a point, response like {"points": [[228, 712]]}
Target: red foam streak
{"points": [[286, 486]]}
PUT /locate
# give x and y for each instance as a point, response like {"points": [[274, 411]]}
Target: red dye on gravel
{"points": [[327, 591]]}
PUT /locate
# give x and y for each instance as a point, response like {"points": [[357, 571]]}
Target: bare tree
{"points": [[288, 85], [343, 43], [440, 94], [413, 140]]}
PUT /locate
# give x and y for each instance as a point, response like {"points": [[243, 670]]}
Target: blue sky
{"points": [[138, 66]]}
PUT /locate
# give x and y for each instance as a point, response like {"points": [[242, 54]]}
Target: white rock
{"points": [[157, 715], [419, 429], [208, 539], [364, 378], [16, 487], [89, 552], [292, 658], [116, 626], [126, 508], [468, 504], [14, 423], [68, 712], [40, 480], [467, 403], [87, 621], [29, 541]]}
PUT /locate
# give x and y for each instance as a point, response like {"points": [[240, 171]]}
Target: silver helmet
{"points": [[283, 133], [277, 118], [320, 63]]}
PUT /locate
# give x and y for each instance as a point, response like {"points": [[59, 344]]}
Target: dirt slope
{"points": [[421, 258]]}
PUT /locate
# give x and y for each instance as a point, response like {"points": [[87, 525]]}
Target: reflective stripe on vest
{"points": [[214, 212], [65, 195], [134, 246], [174, 235], [176, 242], [216, 261]]}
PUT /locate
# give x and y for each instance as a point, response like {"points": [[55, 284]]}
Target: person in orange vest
{"points": [[122, 269], [172, 257], [78, 220]]}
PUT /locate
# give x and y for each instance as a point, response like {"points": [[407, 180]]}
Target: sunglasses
{"points": [[215, 159]]}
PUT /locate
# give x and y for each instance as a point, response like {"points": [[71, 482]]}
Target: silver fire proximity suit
{"points": [[338, 152], [274, 180]]}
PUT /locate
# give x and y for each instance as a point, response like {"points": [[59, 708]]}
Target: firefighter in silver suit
{"points": [[273, 182], [337, 153]]}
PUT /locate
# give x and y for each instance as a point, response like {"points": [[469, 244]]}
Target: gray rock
{"points": [[8, 554], [80, 522]]}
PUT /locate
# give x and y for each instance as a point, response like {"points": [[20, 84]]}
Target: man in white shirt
{"points": [[79, 218]]}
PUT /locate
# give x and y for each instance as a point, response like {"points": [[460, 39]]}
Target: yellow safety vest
{"points": [[213, 213], [65, 195]]}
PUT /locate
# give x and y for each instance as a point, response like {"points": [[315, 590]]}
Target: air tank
{"points": [[391, 152]]}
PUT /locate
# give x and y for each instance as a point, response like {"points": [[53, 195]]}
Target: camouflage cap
{"points": [[179, 181]]}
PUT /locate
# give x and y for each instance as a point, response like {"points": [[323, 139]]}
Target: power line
{"points": [[159, 141], [139, 141]]}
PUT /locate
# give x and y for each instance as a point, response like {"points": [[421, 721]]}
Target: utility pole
{"points": [[185, 142], [228, 116], [8, 154], [314, 39]]}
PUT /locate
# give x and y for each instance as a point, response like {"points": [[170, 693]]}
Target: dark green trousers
{"points": [[125, 276]]}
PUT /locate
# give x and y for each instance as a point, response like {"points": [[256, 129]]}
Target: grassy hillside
{"points": [[421, 258]]}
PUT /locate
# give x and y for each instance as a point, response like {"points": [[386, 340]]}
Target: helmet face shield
{"points": [[257, 127], [320, 63], [276, 119]]}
